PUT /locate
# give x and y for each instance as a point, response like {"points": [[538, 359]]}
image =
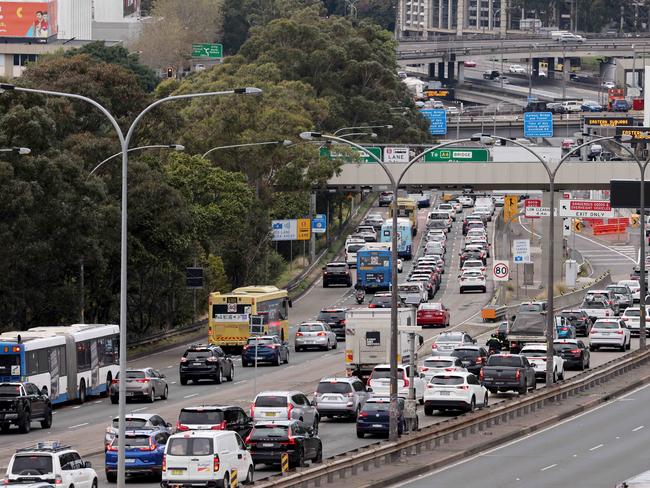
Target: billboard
{"points": [[131, 7], [32, 20]]}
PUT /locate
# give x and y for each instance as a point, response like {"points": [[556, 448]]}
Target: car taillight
{"points": [[299, 334], [252, 410], [481, 375], [619, 332], [518, 375], [142, 380], [424, 368], [289, 409], [181, 428], [248, 439], [321, 334], [212, 360], [290, 441], [575, 351], [183, 360], [221, 426], [215, 463], [342, 322], [115, 382], [58, 480], [272, 346], [164, 463], [450, 369], [479, 360], [434, 346], [463, 387]]}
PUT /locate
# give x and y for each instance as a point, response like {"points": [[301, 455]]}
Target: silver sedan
{"points": [[147, 383], [315, 335]]}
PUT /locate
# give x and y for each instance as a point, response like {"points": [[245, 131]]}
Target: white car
{"points": [[53, 462], [609, 84], [635, 288], [379, 381], [536, 354], [452, 110], [632, 319], [452, 391], [412, 292], [472, 280], [517, 68], [473, 264], [499, 200], [449, 208], [609, 333], [486, 211], [465, 201], [437, 104], [597, 309], [441, 365], [474, 234], [206, 458]]}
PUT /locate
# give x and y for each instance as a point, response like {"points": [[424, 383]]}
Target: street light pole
{"points": [[175, 147], [362, 127], [17, 150], [249, 144]]}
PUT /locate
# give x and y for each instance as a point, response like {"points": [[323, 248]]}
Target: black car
{"points": [[574, 352], [335, 318], [374, 417], [472, 357], [579, 319], [337, 273], [215, 417], [269, 440], [383, 300], [23, 403], [201, 362], [385, 198]]}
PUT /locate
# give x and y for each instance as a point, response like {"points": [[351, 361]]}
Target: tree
{"points": [[167, 38]]}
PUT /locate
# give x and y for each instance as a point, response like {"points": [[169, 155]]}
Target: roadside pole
{"points": [[410, 407]]}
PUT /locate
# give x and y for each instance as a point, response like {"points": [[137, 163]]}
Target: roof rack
{"points": [[45, 446]]}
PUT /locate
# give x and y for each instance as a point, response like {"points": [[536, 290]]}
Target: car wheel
{"points": [[622, 348], [319, 455], [5, 428], [111, 477], [298, 349], [218, 378], [46, 423], [629, 344], [360, 435], [94, 485], [486, 400], [278, 359], [561, 376], [152, 396], [25, 424], [472, 405], [324, 285], [428, 410], [183, 380], [524, 389], [165, 393], [82, 392], [226, 481], [114, 399], [109, 380], [355, 415], [300, 460], [249, 476], [336, 344]]}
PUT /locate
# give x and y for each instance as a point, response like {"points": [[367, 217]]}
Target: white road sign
{"points": [[501, 271], [396, 155], [521, 251], [537, 211], [592, 209], [284, 230], [566, 227]]}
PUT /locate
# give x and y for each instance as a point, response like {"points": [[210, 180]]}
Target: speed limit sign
{"points": [[501, 271]]}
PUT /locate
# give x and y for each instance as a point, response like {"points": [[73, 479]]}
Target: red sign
{"points": [[566, 195], [34, 19], [532, 202], [594, 206]]}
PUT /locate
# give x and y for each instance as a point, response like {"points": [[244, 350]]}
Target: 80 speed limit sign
{"points": [[501, 271]]}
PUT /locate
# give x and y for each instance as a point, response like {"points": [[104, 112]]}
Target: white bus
{"points": [[69, 362]]}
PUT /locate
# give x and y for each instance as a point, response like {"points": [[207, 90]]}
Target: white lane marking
{"points": [[596, 447], [78, 425], [170, 366], [548, 467], [192, 395], [75, 408], [173, 383], [606, 247], [139, 409], [239, 382], [98, 402], [638, 428]]}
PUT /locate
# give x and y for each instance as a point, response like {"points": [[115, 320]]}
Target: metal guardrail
{"points": [[436, 435]]}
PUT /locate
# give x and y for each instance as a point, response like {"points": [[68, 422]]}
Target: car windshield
{"points": [[504, 361], [131, 423], [271, 401], [333, 387], [266, 431], [133, 441], [9, 390], [605, 325], [201, 417], [310, 328], [30, 463], [355, 247], [450, 337], [447, 380], [465, 353], [184, 446], [438, 363]]}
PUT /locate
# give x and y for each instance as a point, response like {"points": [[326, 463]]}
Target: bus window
{"points": [[6, 363], [31, 358], [83, 356], [43, 361]]}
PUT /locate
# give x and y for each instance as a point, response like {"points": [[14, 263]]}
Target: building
{"points": [[29, 28]]}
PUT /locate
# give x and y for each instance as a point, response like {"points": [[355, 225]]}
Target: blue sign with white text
{"points": [[319, 224], [538, 124], [437, 120]]}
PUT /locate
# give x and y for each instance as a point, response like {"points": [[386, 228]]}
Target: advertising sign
{"points": [[396, 155], [538, 124], [437, 120], [454, 154], [35, 19]]}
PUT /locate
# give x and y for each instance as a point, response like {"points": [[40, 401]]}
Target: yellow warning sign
{"points": [[510, 208], [577, 225], [634, 220], [304, 229]]}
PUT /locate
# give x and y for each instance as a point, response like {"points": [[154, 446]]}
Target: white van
{"points": [[412, 292], [351, 248], [206, 458]]}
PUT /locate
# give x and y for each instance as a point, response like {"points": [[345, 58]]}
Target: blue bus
{"points": [[374, 268], [404, 236]]}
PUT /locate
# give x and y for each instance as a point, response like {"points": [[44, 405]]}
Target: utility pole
{"points": [[312, 238]]}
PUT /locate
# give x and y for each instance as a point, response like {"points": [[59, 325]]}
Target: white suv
{"points": [[536, 354], [609, 333], [379, 382], [206, 458], [52, 463]]}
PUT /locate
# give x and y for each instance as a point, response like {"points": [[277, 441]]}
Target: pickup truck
{"points": [[22, 403], [491, 75], [505, 372]]}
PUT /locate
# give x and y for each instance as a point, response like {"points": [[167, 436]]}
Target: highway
{"points": [[82, 426], [612, 436]]}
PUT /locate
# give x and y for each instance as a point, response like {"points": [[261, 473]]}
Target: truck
{"points": [[505, 372], [527, 327], [367, 338], [22, 403]]}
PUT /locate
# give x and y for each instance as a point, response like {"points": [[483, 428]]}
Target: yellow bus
{"points": [[229, 314], [409, 209]]}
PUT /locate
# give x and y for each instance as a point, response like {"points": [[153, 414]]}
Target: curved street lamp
{"points": [[285, 143], [360, 127], [175, 147], [17, 150]]}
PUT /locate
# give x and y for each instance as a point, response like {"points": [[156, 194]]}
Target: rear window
{"points": [[187, 446], [130, 375], [594, 305], [9, 390], [531, 307], [271, 401], [355, 247], [532, 353], [606, 325], [409, 288], [260, 341], [632, 313], [331, 316], [447, 380], [381, 300], [310, 328], [564, 347], [333, 387], [384, 373], [336, 267], [203, 417], [618, 289], [265, 431], [133, 441], [42, 464], [513, 361], [438, 363], [465, 353], [375, 407], [131, 424], [453, 337], [197, 355]]}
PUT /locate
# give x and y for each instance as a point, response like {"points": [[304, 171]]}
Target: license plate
{"points": [[129, 393], [378, 426], [177, 472], [268, 444], [196, 364], [604, 333], [129, 461], [270, 414], [445, 393]]}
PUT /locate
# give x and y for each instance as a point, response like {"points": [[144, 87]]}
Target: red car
{"points": [[433, 314]]}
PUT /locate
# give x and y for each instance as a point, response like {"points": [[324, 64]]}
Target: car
{"points": [[469, 63], [23, 403], [52, 462], [622, 294], [382, 300], [556, 108], [454, 391], [572, 106], [473, 264], [206, 458], [440, 365], [437, 104], [430, 314], [214, 417], [466, 201], [574, 352], [143, 454], [385, 198], [608, 295], [517, 68], [478, 241], [569, 38], [632, 319], [499, 200], [445, 343], [608, 84], [472, 280], [335, 318], [146, 383], [201, 361], [610, 332], [379, 381], [413, 292], [374, 417], [456, 204], [564, 329], [620, 105], [369, 230], [590, 106], [265, 349], [449, 208], [505, 372], [579, 319], [596, 309], [502, 79], [337, 273], [314, 335], [340, 397], [490, 75], [424, 200], [568, 143], [472, 254], [473, 357], [375, 220], [452, 110], [139, 422], [284, 405], [634, 287], [270, 440], [536, 355], [430, 281]]}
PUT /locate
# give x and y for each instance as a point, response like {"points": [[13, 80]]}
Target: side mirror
{"points": [[163, 376], [369, 390], [88, 464], [44, 392], [168, 424], [313, 403]]}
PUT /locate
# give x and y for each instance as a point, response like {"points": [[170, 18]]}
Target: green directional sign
{"points": [[455, 154], [214, 51], [326, 152]]}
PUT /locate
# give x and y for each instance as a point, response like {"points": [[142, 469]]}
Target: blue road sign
{"points": [[538, 124], [519, 259], [319, 224], [437, 120]]}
